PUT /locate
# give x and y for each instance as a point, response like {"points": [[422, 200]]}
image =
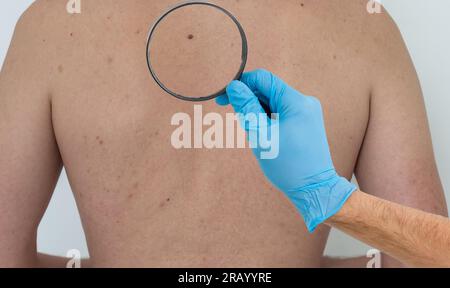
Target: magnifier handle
{"points": [[266, 109]]}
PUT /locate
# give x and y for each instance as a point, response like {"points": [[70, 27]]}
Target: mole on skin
{"points": [[190, 37]]}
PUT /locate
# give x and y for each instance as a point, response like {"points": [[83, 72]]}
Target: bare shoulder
{"points": [[384, 42], [364, 34], [370, 34], [37, 38], [47, 34], [42, 18]]}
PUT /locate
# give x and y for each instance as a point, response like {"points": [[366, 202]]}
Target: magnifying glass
{"points": [[195, 49]]}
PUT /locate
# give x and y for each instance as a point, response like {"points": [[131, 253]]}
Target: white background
{"points": [[425, 26]]}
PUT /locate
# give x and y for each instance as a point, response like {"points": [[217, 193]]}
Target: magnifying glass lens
{"points": [[195, 51]]}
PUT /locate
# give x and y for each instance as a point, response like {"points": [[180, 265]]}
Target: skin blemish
{"points": [[71, 34], [136, 185], [302, 4], [130, 196], [163, 203], [190, 36], [334, 57], [110, 60], [138, 31], [99, 140], [60, 69]]}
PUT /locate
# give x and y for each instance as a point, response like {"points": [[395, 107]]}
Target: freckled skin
{"points": [[178, 190], [197, 208]]}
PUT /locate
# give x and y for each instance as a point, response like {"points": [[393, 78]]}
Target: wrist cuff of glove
{"points": [[318, 202]]}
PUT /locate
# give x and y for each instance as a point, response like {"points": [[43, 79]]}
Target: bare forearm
{"points": [[414, 237]]}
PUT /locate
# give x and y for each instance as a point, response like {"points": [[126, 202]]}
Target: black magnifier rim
{"points": [[244, 51]]}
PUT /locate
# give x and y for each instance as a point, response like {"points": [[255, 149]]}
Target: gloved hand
{"points": [[303, 170]]}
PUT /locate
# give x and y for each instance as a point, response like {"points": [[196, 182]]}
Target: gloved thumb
{"points": [[242, 99]]}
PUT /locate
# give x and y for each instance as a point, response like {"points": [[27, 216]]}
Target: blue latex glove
{"points": [[303, 170]]}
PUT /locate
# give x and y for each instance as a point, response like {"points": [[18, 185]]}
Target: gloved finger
{"points": [[265, 85], [242, 99], [223, 100]]}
